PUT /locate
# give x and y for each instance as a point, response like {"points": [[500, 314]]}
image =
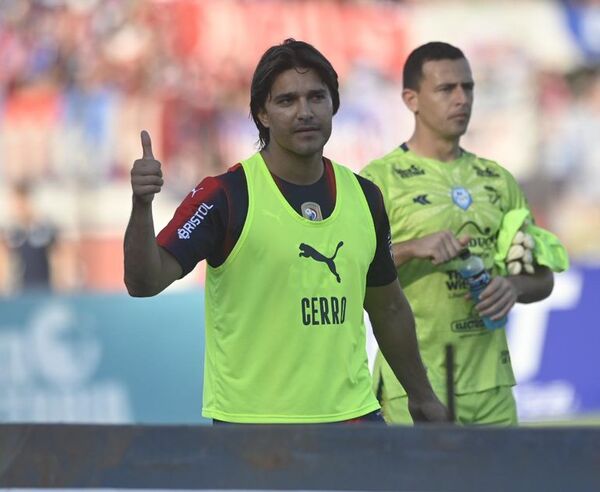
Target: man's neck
{"points": [[435, 148], [293, 168]]}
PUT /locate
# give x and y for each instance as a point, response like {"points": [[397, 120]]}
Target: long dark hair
{"points": [[278, 59]]}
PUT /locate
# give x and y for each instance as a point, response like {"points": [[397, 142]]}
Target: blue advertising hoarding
{"points": [[102, 358], [116, 359], [554, 348]]}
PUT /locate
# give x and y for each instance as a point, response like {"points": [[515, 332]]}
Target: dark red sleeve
{"points": [[209, 221], [382, 270]]}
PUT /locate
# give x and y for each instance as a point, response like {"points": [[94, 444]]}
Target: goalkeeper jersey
{"points": [[468, 196]]}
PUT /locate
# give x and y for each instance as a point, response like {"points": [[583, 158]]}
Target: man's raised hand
{"points": [[146, 176]]}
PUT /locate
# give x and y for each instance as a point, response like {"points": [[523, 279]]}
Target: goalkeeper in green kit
{"points": [[440, 200]]}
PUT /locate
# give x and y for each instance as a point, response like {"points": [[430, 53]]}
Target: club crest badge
{"points": [[311, 211], [461, 197]]}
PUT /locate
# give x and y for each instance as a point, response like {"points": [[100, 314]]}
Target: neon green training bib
{"points": [[285, 340]]}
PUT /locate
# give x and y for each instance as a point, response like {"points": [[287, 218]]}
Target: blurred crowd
{"points": [[81, 78]]}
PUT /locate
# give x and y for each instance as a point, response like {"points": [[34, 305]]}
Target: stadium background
{"points": [[80, 78]]}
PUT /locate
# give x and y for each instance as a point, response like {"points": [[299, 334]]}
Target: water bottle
{"points": [[477, 277]]}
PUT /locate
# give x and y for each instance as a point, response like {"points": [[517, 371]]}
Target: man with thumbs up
{"points": [[146, 176], [296, 245]]}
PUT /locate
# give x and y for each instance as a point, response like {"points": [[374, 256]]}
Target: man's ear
{"points": [[411, 99], [263, 117]]}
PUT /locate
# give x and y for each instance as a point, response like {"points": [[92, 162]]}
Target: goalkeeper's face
{"points": [[444, 100]]}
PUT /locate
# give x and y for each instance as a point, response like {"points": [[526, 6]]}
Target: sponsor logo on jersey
{"points": [[323, 310], [493, 194], [470, 223], [485, 240], [422, 199], [185, 231], [308, 251], [468, 325], [472, 324], [411, 172], [461, 197], [482, 242], [485, 172], [455, 282]]}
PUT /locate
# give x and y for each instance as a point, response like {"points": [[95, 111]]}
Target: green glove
{"points": [[517, 236]]}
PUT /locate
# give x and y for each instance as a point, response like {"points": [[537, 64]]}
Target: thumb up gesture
{"points": [[146, 176]]}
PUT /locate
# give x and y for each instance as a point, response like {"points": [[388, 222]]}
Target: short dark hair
{"points": [[436, 50], [278, 59]]}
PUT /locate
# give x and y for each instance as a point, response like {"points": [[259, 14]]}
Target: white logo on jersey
{"points": [[461, 197], [311, 211], [185, 231]]}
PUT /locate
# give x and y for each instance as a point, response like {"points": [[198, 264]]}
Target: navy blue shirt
{"points": [[31, 245], [215, 212]]}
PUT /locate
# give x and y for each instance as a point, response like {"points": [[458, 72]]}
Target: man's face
{"points": [[444, 100], [298, 112]]}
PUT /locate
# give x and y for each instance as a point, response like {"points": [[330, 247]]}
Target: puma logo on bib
{"points": [[308, 251]]}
